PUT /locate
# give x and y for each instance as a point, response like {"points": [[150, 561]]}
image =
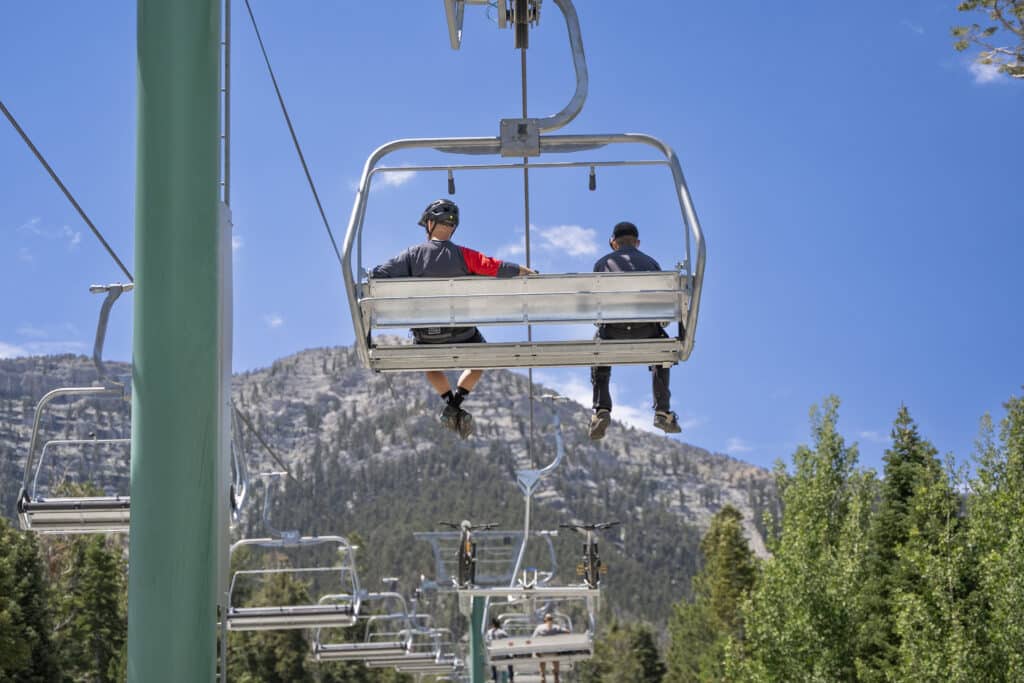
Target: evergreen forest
{"points": [[910, 574]]}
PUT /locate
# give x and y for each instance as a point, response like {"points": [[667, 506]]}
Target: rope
{"points": [[291, 130], [64, 189]]}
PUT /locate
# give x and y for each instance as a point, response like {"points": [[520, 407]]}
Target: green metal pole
{"points": [[177, 394], [476, 642]]}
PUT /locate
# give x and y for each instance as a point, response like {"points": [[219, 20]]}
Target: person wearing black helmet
{"points": [[626, 257], [440, 257]]}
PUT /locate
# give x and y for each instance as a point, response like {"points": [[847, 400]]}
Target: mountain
{"points": [[368, 458]]}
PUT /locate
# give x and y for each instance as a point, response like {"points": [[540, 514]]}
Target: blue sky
{"points": [[855, 178]]}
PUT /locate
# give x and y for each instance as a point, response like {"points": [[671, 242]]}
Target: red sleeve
{"points": [[479, 264]]}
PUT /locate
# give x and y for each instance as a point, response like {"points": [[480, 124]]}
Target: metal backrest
{"points": [[544, 299]]}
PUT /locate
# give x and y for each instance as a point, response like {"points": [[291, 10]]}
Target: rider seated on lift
{"points": [[548, 628], [626, 257], [439, 257]]}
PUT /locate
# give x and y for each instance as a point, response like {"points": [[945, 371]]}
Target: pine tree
{"points": [[699, 631], [936, 616], [15, 650], [910, 467], [625, 654], [34, 600], [92, 627], [272, 656]]}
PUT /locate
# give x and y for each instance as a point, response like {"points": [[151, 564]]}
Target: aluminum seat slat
{"points": [[525, 354], [76, 515]]}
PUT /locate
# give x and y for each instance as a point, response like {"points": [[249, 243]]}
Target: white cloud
{"points": [[11, 351], [509, 251], [737, 445], [573, 240], [690, 422], [237, 242], [984, 73], [31, 226], [273, 320], [395, 178], [873, 436], [73, 237], [25, 255], [916, 28], [30, 331], [46, 348]]}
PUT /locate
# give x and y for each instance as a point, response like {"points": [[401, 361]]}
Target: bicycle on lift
{"points": [[590, 567], [466, 567]]}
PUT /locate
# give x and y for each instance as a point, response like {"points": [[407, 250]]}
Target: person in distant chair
{"points": [[627, 257], [440, 257], [548, 628], [496, 632]]}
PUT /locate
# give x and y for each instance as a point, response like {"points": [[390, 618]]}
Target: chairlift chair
{"points": [[668, 297], [388, 636], [75, 514], [337, 609]]}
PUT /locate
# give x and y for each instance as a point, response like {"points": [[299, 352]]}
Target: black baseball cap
{"points": [[624, 228]]}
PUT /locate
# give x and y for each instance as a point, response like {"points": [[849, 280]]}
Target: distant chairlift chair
{"points": [[71, 515], [334, 608]]}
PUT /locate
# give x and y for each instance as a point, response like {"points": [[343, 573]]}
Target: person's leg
{"points": [[664, 418], [511, 673], [554, 667], [660, 389], [494, 674], [600, 378], [439, 381], [543, 672], [469, 378]]}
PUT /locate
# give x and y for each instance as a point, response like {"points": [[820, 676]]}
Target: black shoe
{"points": [[450, 417], [466, 426], [667, 422], [599, 424], [457, 420]]}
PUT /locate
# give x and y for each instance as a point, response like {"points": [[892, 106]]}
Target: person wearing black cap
{"points": [[627, 257], [440, 257]]}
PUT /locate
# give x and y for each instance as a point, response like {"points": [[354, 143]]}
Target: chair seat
{"points": [[75, 515], [525, 354], [289, 617]]}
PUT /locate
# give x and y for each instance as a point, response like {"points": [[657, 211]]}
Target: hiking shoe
{"points": [[466, 426], [450, 418], [457, 420], [599, 424], [667, 422]]}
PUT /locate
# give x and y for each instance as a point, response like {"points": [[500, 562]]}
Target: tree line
{"points": [[912, 575]]}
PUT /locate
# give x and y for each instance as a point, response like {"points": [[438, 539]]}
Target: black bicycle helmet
{"points": [[441, 211]]}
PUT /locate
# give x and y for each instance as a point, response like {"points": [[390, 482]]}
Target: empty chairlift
{"points": [[324, 567], [68, 514], [388, 635]]}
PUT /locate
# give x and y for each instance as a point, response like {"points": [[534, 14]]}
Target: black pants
{"points": [[494, 673], [601, 375]]}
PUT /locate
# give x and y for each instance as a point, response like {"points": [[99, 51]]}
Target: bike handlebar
{"points": [[466, 524], [589, 527]]}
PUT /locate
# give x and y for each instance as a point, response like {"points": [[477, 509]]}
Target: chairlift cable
{"points": [[526, 219], [266, 446], [64, 189], [291, 130]]}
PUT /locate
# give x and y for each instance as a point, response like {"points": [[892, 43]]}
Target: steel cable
{"points": [[291, 130], [64, 189]]}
